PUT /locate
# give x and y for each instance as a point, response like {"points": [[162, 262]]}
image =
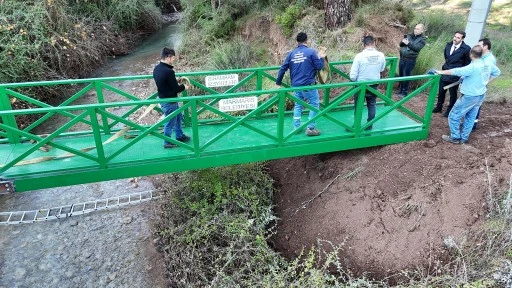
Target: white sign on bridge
{"points": [[237, 104], [221, 80]]}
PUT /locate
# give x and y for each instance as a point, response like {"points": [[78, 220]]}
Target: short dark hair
{"points": [[461, 33], [166, 52], [477, 51], [486, 42], [302, 37], [368, 40]]}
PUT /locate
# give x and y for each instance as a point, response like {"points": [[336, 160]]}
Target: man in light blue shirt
{"points": [[485, 43], [368, 65], [476, 77]]}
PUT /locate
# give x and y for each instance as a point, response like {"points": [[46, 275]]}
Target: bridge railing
{"points": [[99, 120], [104, 90]]}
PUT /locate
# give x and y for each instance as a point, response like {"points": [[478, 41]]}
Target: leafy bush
{"points": [[288, 19]]}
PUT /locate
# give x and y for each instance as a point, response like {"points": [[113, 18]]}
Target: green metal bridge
{"points": [[106, 140]]}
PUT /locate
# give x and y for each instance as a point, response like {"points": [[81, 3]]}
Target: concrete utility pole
{"points": [[476, 21]]}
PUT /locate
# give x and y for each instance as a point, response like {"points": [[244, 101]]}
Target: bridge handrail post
{"points": [[95, 127], [359, 110], [101, 99], [186, 113], [280, 118], [10, 120], [392, 71], [327, 96], [195, 126], [259, 80]]}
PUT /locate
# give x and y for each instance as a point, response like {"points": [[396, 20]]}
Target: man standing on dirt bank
{"points": [[456, 54], [168, 87], [476, 77], [368, 65], [410, 48], [303, 63], [487, 56]]}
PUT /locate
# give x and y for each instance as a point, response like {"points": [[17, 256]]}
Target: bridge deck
{"points": [[241, 140]]}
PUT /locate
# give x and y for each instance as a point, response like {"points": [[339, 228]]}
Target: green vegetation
{"points": [[216, 223], [43, 40], [288, 18]]}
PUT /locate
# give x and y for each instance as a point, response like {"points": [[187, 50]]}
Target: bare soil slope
{"points": [[396, 211]]}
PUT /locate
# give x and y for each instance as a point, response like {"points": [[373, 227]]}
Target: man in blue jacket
{"points": [[476, 77], [303, 63]]}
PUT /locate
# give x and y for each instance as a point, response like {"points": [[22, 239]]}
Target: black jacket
{"points": [[459, 58], [166, 82], [412, 50]]}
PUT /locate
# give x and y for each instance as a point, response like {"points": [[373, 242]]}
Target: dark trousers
{"points": [[371, 101], [442, 93], [405, 67]]}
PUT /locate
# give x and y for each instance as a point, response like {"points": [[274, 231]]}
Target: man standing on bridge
{"points": [[476, 77], [303, 63], [168, 87], [368, 65]]}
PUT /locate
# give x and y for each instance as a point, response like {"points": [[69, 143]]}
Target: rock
{"points": [[430, 144], [73, 223], [112, 276], [127, 220]]}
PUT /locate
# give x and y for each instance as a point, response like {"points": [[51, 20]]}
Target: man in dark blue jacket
{"points": [[168, 87], [303, 63], [456, 54]]}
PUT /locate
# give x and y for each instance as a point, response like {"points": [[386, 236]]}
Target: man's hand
{"points": [[186, 86], [405, 41]]}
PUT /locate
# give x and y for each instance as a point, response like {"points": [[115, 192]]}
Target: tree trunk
{"points": [[337, 13]]}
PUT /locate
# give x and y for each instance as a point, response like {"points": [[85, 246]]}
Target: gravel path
{"points": [[109, 248]]}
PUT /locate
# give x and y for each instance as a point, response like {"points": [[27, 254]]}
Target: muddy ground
{"points": [[407, 198]]}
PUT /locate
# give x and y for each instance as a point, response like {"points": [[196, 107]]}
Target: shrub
{"points": [[288, 19], [439, 23], [232, 55]]}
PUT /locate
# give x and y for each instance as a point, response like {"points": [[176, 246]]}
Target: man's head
{"points": [[302, 37], [369, 41], [419, 29], [485, 43], [168, 55], [476, 52], [458, 37]]}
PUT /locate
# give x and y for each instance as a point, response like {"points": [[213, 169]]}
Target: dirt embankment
{"points": [[406, 199]]}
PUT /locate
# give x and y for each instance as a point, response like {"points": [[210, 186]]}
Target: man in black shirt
{"points": [[168, 87]]}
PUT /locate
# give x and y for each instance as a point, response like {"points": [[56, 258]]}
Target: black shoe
{"points": [[183, 138], [369, 128], [437, 109], [170, 145]]}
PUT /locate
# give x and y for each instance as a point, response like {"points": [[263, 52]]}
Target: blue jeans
{"points": [[405, 67], [310, 96], [174, 122], [371, 101], [466, 107]]}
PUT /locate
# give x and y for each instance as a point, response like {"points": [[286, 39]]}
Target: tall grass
{"points": [[59, 39]]}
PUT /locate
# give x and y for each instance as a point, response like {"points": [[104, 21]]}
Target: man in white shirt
{"points": [[368, 65]]}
